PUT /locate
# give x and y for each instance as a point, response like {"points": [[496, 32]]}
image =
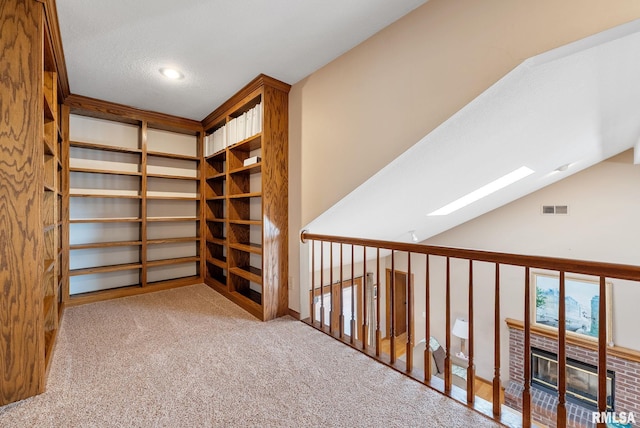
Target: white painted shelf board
{"points": [[172, 194], [103, 165], [104, 192]]}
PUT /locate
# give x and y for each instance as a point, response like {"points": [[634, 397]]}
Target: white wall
{"points": [[359, 112], [602, 225]]}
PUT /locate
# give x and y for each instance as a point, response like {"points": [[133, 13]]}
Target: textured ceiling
{"points": [[113, 49], [578, 105]]}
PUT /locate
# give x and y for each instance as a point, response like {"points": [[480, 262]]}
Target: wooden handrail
{"points": [[584, 267], [394, 316]]}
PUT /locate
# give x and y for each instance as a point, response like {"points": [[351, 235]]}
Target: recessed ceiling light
{"points": [[171, 73], [485, 190], [562, 167]]}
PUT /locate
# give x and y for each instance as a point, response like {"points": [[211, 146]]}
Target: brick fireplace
{"points": [[623, 363]]}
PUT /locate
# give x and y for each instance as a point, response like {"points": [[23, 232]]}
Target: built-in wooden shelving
{"points": [[245, 211], [30, 191], [173, 156], [104, 269], [106, 220], [104, 245], [134, 202], [104, 171], [51, 208], [172, 219], [106, 147]]}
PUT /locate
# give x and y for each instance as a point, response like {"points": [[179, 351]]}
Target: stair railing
{"points": [[357, 335]]}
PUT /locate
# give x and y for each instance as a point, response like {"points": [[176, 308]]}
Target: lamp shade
{"points": [[461, 329]]}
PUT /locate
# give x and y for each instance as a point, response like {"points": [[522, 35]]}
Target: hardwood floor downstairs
{"points": [[483, 387], [484, 390]]}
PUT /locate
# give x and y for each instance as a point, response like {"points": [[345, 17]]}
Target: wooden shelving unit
{"points": [[134, 202], [51, 207], [246, 221], [30, 191], [93, 214]]}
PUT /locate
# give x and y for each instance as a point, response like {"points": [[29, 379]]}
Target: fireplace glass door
{"points": [[582, 379]]}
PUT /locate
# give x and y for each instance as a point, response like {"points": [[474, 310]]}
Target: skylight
{"points": [[484, 191]]}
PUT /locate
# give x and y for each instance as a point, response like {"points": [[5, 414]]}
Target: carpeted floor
{"points": [[190, 358]]}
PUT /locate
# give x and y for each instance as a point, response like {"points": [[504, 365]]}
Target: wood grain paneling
{"points": [[275, 181], [53, 33], [21, 192], [228, 181]]}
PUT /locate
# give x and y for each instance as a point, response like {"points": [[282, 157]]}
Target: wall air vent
{"points": [[555, 209]]}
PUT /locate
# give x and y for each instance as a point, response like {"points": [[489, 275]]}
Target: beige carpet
{"points": [[190, 358]]}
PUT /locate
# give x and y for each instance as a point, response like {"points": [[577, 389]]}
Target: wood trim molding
{"points": [[51, 17], [133, 290], [250, 87], [551, 333], [294, 314], [113, 111]]}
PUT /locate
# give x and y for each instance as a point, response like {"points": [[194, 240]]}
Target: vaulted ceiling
{"points": [[575, 105], [557, 113]]}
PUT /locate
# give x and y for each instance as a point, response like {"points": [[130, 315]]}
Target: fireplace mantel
{"points": [[577, 340]]}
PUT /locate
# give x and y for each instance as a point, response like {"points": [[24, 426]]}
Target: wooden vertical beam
{"points": [[341, 294], [143, 203], [561, 410], [64, 158], [497, 385], [602, 349], [427, 324], [447, 327], [378, 332], [365, 325], [275, 199], [526, 357], [22, 355], [331, 302], [353, 299], [471, 366], [409, 319], [202, 211], [312, 311], [322, 285], [392, 312]]}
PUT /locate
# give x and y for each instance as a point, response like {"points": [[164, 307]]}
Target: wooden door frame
{"points": [[335, 290], [411, 323]]}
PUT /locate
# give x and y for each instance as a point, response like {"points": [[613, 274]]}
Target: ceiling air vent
{"points": [[555, 209]]}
